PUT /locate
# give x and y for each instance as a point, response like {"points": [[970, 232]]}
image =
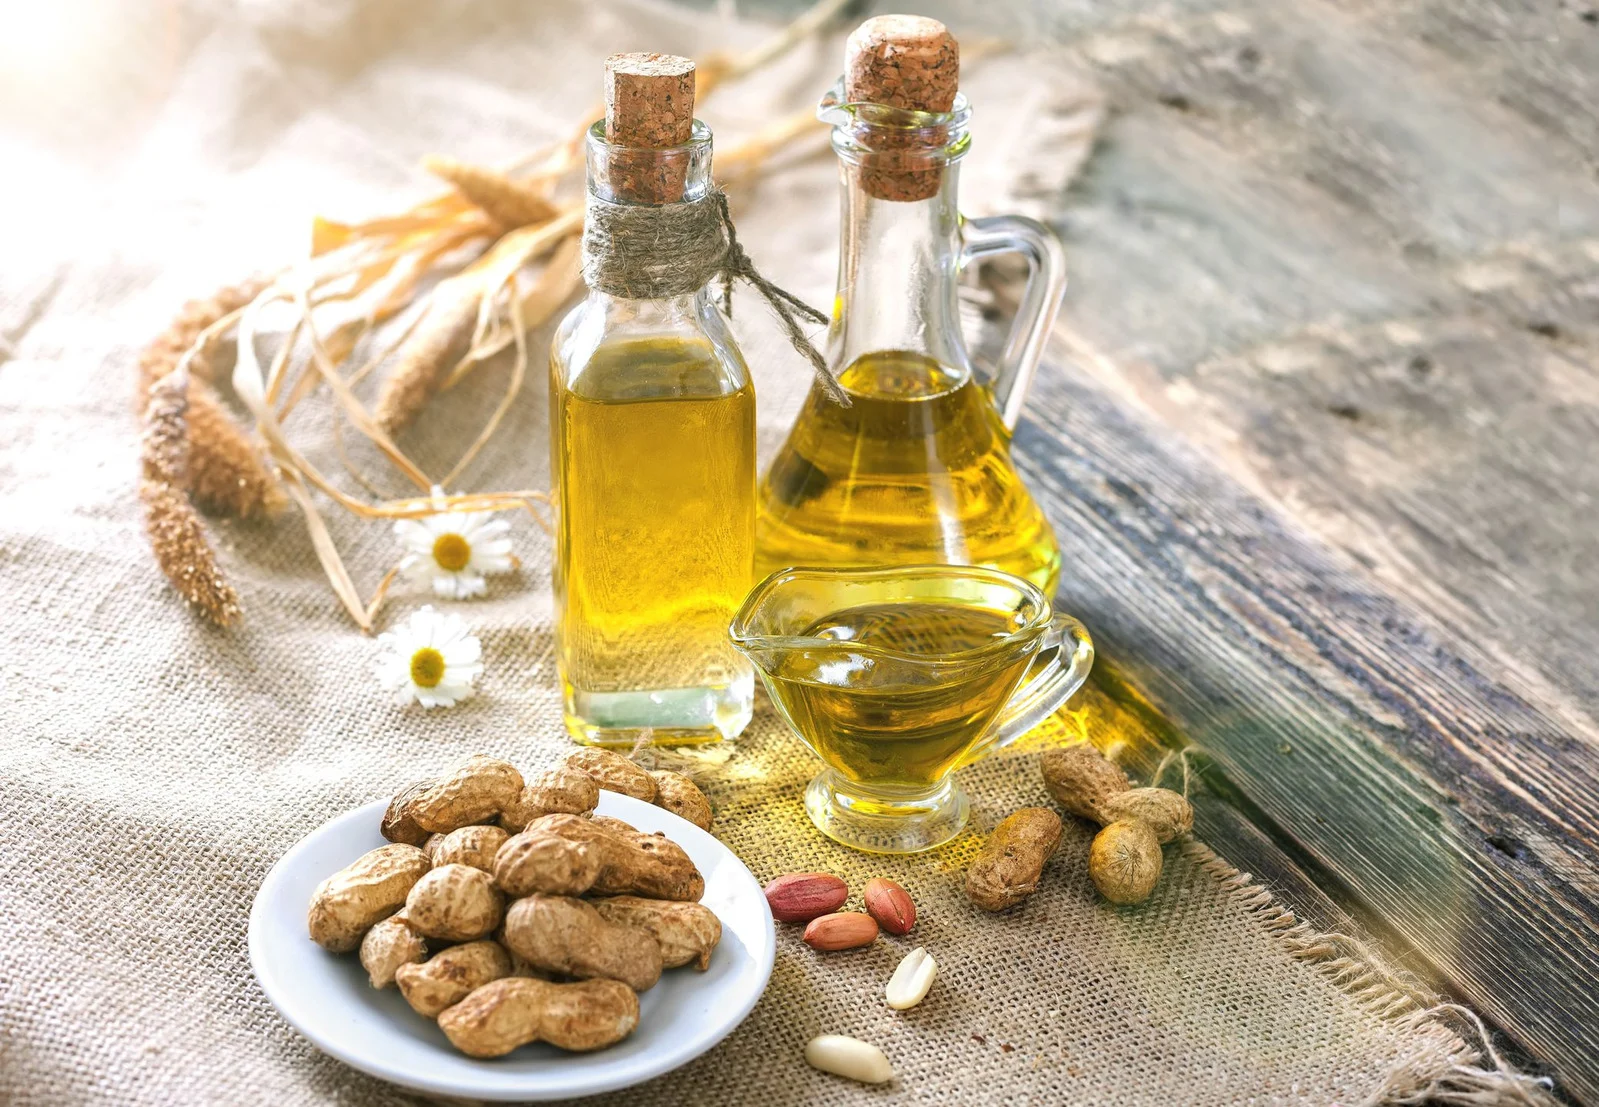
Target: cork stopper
{"points": [[912, 63], [649, 104], [903, 61]]}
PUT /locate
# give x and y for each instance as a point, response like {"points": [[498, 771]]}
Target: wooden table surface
{"points": [[1319, 440]]}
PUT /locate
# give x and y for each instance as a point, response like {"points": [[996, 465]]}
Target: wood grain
{"points": [[1393, 747], [1318, 444]]}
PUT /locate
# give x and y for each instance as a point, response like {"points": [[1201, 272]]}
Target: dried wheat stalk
{"points": [[458, 311], [175, 533], [226, 473], [183, 336], [183, 553], [378, 267], [164, 445], [509, 202], [442, 337]]}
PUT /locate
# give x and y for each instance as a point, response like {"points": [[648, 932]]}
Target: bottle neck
{"points": [[648, 175], [622, 243], [900, 250], [897, 267]]}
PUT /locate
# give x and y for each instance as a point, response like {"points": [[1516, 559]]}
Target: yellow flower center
{"points": [[452, 552], [427, 667]]}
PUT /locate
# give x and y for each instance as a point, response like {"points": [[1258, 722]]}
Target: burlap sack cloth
{"points": [[152, 769]]}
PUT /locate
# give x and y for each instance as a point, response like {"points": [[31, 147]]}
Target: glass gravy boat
{"points": [[897, 677]]}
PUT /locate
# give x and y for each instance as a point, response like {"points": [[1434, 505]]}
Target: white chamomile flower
{"points": [[430, 658], [455, 550]]}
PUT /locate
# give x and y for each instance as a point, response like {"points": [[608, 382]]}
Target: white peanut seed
{"points": [[908, 986], [849, 1057]]}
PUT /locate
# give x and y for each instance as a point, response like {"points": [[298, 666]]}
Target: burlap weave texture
{"points": [[152, 769]]}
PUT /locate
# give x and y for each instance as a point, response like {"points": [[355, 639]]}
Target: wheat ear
{"points": [[226, 472], [443, 335], [176, 536], [507, 201], [192, 321]]}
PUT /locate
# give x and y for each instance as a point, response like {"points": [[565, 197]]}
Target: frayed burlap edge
{"points": [[1450, 1071]]}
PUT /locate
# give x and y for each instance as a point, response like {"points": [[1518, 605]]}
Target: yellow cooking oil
{"points": [[916, 470], [890, 725], [653, 465]]}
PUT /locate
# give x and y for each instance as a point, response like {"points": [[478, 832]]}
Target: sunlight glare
{"points": [[39, 38]]}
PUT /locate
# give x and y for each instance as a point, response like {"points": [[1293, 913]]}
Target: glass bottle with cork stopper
{"points": [[916, 469], [652, 438]]}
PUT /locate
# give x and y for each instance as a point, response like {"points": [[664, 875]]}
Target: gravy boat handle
{"points": [[1070, 654]]}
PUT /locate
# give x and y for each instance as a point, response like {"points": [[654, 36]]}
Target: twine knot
{"points": [[655, 251]]}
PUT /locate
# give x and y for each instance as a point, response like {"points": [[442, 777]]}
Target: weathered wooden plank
{"points": [[1324, 462], [1386, 743], [1114, 716], [1369, 287]]}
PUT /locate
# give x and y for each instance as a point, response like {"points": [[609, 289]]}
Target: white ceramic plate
{"points": [[327, 998]]}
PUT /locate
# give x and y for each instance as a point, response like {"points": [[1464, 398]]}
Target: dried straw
{"points": [[507, 201], [378, 267], [551, 290]]}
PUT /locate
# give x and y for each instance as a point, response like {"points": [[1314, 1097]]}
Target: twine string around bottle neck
{"points": [[656, 251]]}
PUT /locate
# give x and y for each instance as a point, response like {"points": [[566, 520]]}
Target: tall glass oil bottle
{"points": [[652, 442], [917, 469]]}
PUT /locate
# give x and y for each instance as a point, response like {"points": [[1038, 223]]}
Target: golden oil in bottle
{"points": [[653, 444], [917, 470], [899, 727]]}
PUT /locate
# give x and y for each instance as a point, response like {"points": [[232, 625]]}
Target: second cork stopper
{"points": [[912, 63], [649, 105], [903, 61]]}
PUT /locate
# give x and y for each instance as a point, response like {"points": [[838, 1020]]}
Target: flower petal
{"points": [[416, 567], [492, 564], [414, 535], [450, 628], [462, 651], [444, 631], [425, 627]]}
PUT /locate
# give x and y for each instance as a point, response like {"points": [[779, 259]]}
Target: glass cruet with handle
{"points": [[916, 469]]}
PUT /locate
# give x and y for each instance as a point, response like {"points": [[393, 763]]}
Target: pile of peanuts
{"points": [[510, 913]]}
